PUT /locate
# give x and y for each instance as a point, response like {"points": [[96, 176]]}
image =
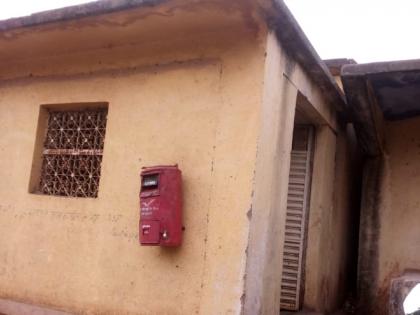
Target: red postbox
{"points": [[161, 206]]}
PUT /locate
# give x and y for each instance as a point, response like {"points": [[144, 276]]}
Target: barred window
{"points": [[72, 153]]}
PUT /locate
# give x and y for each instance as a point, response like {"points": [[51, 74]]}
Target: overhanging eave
{"points": [[377, 92]]}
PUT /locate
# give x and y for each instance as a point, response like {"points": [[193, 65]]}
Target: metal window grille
{"points": [[72, 153]]}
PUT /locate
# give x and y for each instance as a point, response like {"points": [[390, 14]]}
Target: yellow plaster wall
{"points": [[198, 84], [399, 204], [198, 107]]}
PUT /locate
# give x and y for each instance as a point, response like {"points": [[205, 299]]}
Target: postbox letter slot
{"points": [[161, 206], [150, 182]]}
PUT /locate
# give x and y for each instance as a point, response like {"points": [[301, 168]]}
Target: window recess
{"points": [[72, 152]]}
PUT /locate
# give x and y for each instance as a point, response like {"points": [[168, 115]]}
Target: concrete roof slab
{"points": [[380, 67], [378, 91], [335, 65], [397, 93], [396, 85]]}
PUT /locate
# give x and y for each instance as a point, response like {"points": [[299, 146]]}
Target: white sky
{"points": [[365, 30], [15, 8]]}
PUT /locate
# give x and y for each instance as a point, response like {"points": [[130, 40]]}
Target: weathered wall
{"points": [[332, 219], [398, 199], [317, 276], [194, 100], [347, 197], [331, 254], [267, 215], [194, 83], [285, 86]]}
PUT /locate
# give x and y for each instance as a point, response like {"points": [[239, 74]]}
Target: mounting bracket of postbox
{"points": [[161, 206]]}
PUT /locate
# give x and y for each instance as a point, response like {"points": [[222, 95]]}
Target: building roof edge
{"points": [[277, 14]]}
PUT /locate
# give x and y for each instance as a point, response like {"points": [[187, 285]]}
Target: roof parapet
{"points": [[276, 12]]}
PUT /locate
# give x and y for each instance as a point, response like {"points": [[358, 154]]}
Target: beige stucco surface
{"points": [[202, 84], [193, 100], [399, 204]]}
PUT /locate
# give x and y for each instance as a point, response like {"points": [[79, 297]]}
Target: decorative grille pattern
{"points": [[72, 153]]}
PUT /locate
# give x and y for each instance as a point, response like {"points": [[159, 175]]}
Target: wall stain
{"points": [[368, 269]]}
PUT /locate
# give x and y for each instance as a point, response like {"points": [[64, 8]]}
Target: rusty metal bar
{"points": [[72, 152]]}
